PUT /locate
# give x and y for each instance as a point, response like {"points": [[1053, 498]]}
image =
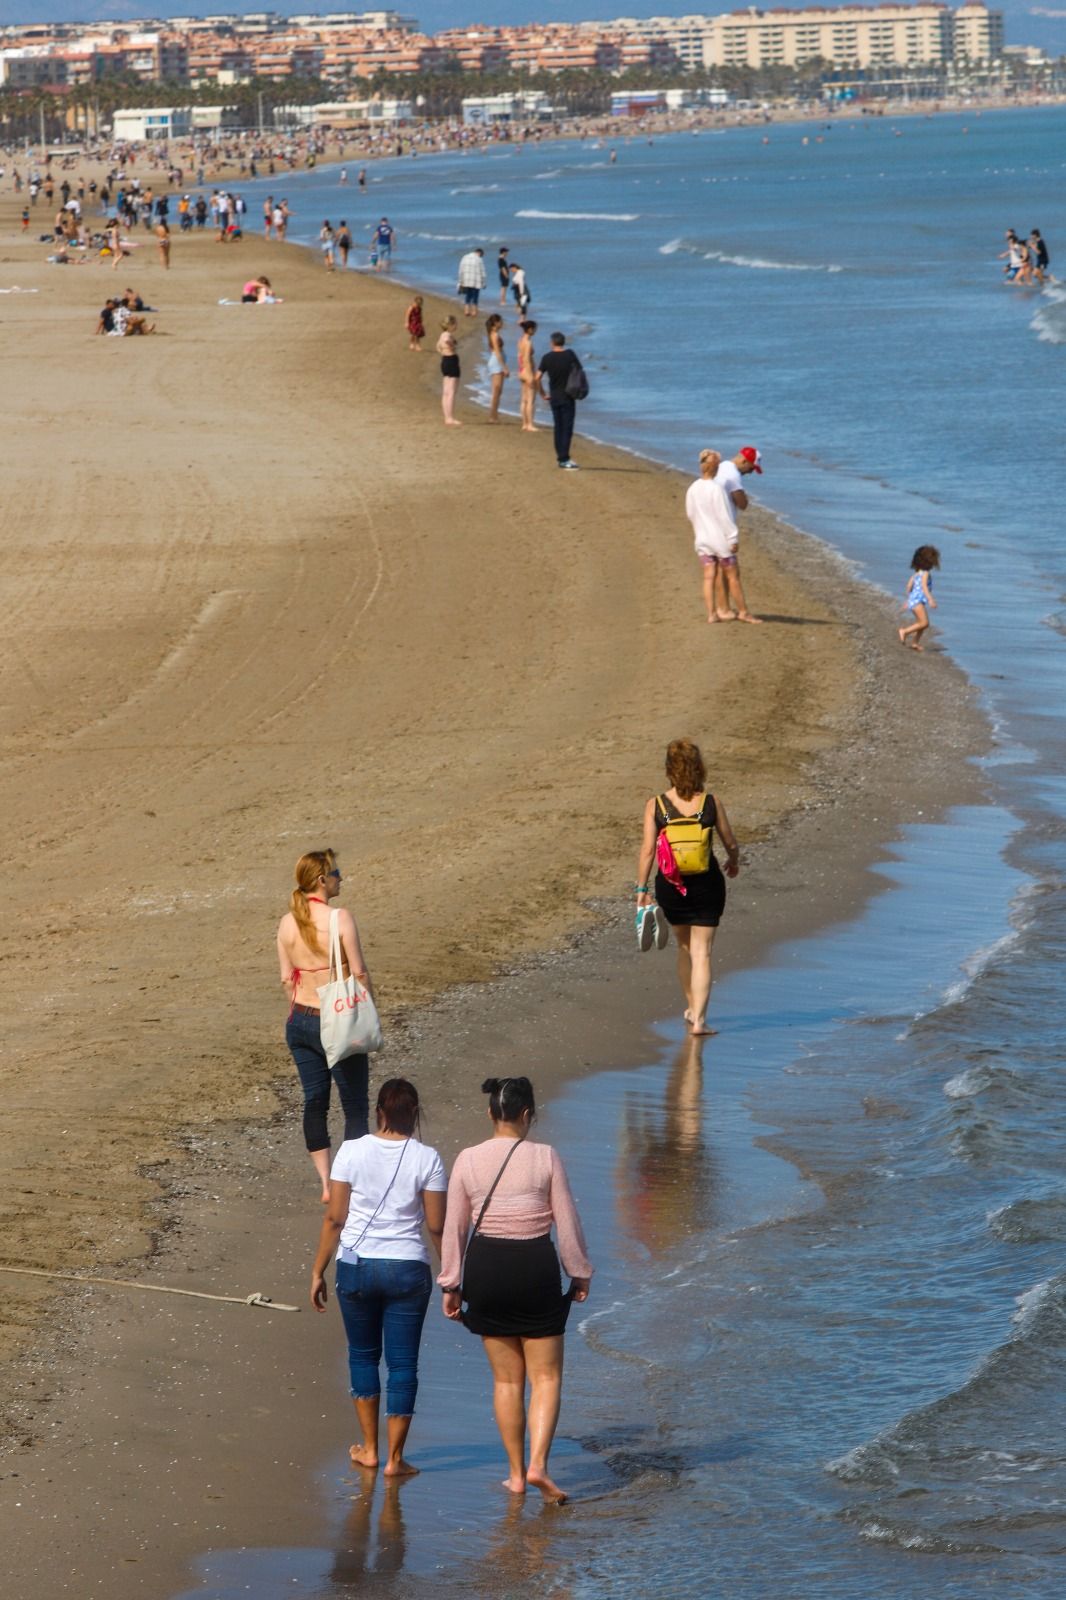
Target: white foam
{"points": [[476, 188], [556, 172], [581, 216], [1030, 1303], [671, 248], [1049, 321], [756, 263]]}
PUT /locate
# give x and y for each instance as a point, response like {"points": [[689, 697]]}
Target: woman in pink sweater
{"points": [[507, 1271]]}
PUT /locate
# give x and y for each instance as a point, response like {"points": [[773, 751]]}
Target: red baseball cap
{"points": [[750, 453]]}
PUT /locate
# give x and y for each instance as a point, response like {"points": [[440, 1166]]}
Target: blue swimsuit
{"points": [[916, 594]]}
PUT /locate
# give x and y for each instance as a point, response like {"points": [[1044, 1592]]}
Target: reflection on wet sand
{"points": [[666, 1177], [356, 1560], [517, 1556]]}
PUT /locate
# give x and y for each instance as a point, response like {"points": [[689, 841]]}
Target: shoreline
{"points": [[849, 737]]}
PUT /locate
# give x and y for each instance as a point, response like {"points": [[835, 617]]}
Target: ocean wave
{"points": [[447, 238], [582, 216], [476, 188], [1003, 1393], [978, 1080], [671, 247], [905, 1538], [1049, 321], [1038, 1219], [756, 263], [556, 172]]}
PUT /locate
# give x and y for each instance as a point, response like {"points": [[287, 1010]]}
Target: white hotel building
{"points": [[925, 34]]}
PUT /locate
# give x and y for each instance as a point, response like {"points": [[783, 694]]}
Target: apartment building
{"points": [[978, 34], [859, 36]]}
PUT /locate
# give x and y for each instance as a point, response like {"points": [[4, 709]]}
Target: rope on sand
{"points": [[156, 1288]]}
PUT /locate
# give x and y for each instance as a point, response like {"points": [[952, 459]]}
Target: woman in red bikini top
{"points": [[303, 958]]}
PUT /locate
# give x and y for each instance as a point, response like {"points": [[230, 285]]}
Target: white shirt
{"points": [[710, 511], [728, 475], [368, 1164]]}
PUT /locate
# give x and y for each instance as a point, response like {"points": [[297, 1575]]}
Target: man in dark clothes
{"points": [[556, 366]]}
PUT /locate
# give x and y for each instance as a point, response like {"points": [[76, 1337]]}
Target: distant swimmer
{"points": [[730, 475], [344, 175], [918, 599], [361, 179]]}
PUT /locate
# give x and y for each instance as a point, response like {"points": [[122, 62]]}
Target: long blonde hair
{"points": [[314, 865]]}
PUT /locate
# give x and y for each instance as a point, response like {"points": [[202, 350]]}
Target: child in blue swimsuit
{"points": [[919, 597]]}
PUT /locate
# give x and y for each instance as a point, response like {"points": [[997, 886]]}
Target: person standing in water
{"points": [[691, 901], [383, 1188], [303, 957], [507, 1270], [919, 597]]}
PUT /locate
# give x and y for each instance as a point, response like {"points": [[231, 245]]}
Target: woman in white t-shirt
{"points": [[383, 1188]]}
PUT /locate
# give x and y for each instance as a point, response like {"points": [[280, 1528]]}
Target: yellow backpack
{"points": [[689, 840]]}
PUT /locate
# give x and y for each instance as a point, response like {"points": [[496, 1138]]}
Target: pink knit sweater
{"points": [[532, 1194]]}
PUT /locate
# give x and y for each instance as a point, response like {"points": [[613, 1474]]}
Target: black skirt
{"points": [[512, 1289], [700, 907]]}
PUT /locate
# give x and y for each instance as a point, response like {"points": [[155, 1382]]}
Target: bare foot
{"points": [[726, 616], [452, 423], [920, 648], [526, 429], [902, 635], [514, 1485], [325, 1197], [712, 619], [746, 616], [401, 1469], [363, 1456], [687, 1014], [700, 1027], [551, 1491]]}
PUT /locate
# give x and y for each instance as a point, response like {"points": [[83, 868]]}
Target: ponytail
{"points": [[310, 867]]}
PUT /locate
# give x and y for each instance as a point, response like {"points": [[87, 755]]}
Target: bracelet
{"points": [[641, 888], [456, 1290]]}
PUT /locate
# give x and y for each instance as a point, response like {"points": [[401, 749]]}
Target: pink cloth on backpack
{"points": [[666, 861]]}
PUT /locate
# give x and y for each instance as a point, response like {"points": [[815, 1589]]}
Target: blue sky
{"points": [[1024, 22]]}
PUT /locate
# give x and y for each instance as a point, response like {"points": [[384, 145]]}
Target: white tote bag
{"points": [[349, 1018]]}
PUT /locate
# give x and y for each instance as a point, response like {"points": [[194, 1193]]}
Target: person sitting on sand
{"points": [[919, 596], [258, 291], [507, 1270], [383, 1188], [690, 894]]}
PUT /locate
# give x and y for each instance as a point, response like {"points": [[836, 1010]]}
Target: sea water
{"points": [[826, 1350]]}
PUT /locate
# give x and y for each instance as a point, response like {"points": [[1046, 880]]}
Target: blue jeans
{"points": [[304, 1039], [384, 1302]]}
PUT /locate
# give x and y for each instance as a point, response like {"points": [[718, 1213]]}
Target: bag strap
{"points": [[492, 1191], [385, 1196], [336, 955]]}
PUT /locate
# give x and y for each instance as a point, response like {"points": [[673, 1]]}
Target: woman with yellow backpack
{"points": [[679, 827]]}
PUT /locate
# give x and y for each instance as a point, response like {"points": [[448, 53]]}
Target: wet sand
{"points": [[259, 600]]}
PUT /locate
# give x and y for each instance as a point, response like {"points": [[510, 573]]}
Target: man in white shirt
{"points": [[471, 280], [730, 476]]}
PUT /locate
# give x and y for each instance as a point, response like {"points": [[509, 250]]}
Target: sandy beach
{"points": [[259, 600]]}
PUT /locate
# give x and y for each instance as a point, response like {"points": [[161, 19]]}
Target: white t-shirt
{"points": [[396, 1232], [728, 475], [710, 512]]}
